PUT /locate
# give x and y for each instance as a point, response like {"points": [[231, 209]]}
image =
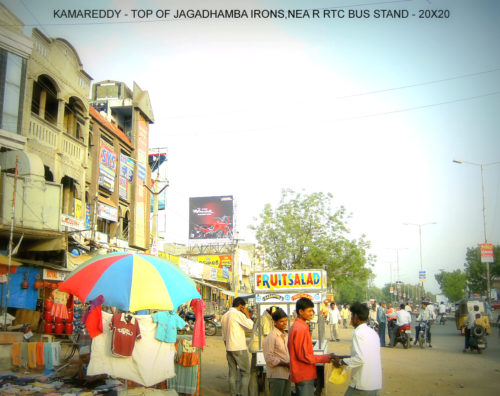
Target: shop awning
{"points": [[224, 291], [107, 201], [4, 260]]}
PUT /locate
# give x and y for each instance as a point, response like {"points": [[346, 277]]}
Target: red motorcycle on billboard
{"points": [[220, 229]]}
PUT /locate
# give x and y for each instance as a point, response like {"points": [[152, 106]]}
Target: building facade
{"points": [[130, 111]]}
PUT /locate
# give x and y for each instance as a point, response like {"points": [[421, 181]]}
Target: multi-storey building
{"points": [[130, 111]]}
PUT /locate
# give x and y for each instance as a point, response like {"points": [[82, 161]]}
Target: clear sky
{"points": [[372, 110]]}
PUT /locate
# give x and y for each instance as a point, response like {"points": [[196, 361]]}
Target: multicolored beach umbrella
{"points": [[131, 282]]}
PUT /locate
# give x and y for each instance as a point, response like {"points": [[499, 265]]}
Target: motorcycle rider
{"points": [[403, 318], [426, 315], [442, 310], [470, 322]]}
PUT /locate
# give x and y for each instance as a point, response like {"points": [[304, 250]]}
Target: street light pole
{"points": [[482, 166], [420, 225]]}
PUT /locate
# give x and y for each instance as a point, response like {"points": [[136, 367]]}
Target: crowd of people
{"points": [[290, 357]]}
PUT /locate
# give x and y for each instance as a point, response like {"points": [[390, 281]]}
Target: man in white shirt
{"points": [[470, 322], [403, 318], [365, 360], [426, 315], [333, 319], [234, 323]]}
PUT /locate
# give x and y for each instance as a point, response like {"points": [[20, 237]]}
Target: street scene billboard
{"points": [[211, 217]]}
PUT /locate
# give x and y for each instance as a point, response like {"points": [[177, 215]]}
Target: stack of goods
{"points": [[58, 313]]}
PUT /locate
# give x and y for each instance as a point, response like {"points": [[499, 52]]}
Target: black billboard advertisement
{"points": [[211, 217]]}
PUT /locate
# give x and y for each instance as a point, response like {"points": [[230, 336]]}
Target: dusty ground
{"points": [[442, 370]]}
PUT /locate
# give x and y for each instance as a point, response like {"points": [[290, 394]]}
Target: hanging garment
{"points": [[39, 354], [152, 361], [24, 354], [186, 380], [199, 306], [56, 353], [125, 332], [189, 355], [47, 355], [168, 323], [16, 353], [93, 317], [59, 308], [32, 354]]}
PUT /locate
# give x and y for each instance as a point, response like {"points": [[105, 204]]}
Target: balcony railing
{"points": [[43, 133]]}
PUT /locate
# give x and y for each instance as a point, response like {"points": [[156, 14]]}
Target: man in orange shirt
{"points": [[302, 358]]}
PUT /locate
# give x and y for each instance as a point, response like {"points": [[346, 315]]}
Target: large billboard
{"points": [[211, 217]]}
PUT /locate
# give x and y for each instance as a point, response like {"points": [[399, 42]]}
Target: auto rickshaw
{"points": [[462, 310]]}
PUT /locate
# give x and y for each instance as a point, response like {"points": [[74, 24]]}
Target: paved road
{"points": [[441, 370]]}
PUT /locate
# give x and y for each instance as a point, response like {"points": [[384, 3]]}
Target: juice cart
{"points": [[283, 289]]}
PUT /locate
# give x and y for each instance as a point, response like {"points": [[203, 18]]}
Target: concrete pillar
{"points": [[60, 114]]}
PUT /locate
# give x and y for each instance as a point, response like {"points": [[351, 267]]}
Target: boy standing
{"points": [[302, 358], [277, 356]]}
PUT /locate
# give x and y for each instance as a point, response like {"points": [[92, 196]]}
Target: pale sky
{"points": [[371, 110]]}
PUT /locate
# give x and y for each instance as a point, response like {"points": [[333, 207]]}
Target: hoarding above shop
{"points": [[282, 281], [211, 217]]}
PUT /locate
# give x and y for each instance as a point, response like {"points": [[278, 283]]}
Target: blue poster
{"points": [[19, 297]]}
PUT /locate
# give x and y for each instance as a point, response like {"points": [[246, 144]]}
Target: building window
{"points": [[125, 225], [103, 226], [74, 118], [12, 75], [44, 100], [69, 194]]}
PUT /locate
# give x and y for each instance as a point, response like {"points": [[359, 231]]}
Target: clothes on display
{"points": [[152, 361], [93, 317], [187, 378], [168, 324], [59, 308], [36, 354], [199, 306], [126, 331]]}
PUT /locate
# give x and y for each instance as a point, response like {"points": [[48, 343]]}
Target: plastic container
{"points": [[49, 303], [70, 317], [59, 320], [59, 328], [68, 328], [49, 328], [49, 318]]}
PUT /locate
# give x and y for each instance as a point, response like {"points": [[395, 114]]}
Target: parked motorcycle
{"points": [[210, 322], [403, 336], [477, 340]]}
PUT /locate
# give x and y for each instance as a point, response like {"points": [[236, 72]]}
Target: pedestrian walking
{"points": [[345, 314], [276, 355], [302, 358], [365, 361], [234, 323], [333, 319], [382, 323]]}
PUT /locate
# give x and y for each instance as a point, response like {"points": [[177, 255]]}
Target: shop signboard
{"points": [[107, 212], [282, 281], [127, 166], [487, 253], [287, 297], [53, 275], [211, 217], [70, 222], [107, 168], [87, 216], [78, 209], [222, 264]]}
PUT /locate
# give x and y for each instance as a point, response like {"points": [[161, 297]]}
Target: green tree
{"points": [[476, 271], [303, 232], [452, 284]]}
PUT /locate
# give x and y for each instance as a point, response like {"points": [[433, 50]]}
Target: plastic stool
{"points": [[47, 338]]}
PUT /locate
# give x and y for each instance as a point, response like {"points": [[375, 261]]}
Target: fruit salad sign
{"points": [[286, 281]]}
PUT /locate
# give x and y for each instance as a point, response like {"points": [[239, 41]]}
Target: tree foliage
{"points": [[303, 232], [476, 271], [452, 284]]}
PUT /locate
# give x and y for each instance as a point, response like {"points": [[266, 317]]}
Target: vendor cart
{"points": [[283, 289]]}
